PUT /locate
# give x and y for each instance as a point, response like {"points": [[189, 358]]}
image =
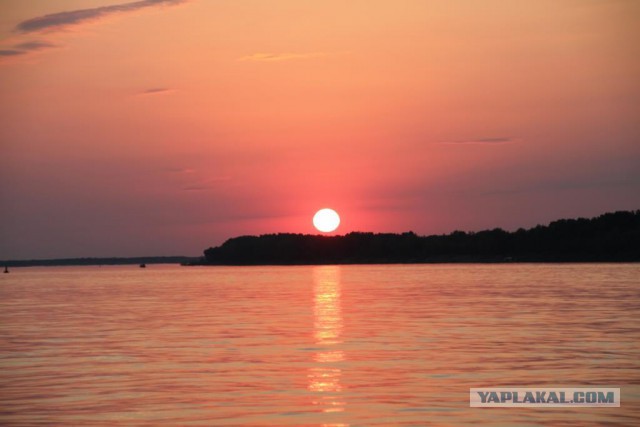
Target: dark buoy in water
{"points": [[6, 269]]}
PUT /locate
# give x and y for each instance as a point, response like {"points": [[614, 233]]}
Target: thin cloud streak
{"points": [[26, 47], [485, 141], [61, 20], [192, 180], [179, 170], [273, 57], [156, 91], [34, 45], [207, 184], [12, 52]]}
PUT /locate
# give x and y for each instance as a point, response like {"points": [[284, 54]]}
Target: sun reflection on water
{"points": [[324, 378]]}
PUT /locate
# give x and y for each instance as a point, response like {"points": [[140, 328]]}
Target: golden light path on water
{"points": [[324, 379]]}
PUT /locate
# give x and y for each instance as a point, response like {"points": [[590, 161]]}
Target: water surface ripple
{"points": [[314, 346]]}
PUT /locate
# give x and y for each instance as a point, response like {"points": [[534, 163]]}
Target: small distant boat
{"points": [[6, 269], [143, 265]]}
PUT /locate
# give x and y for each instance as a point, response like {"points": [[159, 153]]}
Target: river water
{"points": [[314, 345]]}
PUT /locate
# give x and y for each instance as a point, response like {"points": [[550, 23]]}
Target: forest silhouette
{"points": [[611, 237]]}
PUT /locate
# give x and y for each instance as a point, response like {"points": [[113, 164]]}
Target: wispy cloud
{"points": [[486, 141], [12, 52], [26, 47], [207, 184], [560, 185], [178, 170], [156, 91], [190, 179], [272, 57], [34, 45], [61, 20]]}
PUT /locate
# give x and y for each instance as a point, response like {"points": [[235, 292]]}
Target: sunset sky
{"points": [[133, 128]]}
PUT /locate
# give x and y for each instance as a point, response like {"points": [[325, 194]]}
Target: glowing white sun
{"points": [[326, 220]]}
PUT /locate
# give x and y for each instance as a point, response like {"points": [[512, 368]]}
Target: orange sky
{"points": [[164, 127]]}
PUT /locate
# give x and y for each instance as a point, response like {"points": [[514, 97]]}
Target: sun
{"points": [[326, 220]]}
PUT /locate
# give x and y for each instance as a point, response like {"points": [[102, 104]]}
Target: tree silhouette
{"points": [[609, 237]]}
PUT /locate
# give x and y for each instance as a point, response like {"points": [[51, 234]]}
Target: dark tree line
{"points": [[612, 237]]}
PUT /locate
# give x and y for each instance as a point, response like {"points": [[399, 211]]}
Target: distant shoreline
{"points": [[62, 262]]}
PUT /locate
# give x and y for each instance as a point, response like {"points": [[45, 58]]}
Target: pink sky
{"points": [[132, 128]]}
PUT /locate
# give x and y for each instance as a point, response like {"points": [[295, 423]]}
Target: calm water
{"points": [[313, 346]]}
